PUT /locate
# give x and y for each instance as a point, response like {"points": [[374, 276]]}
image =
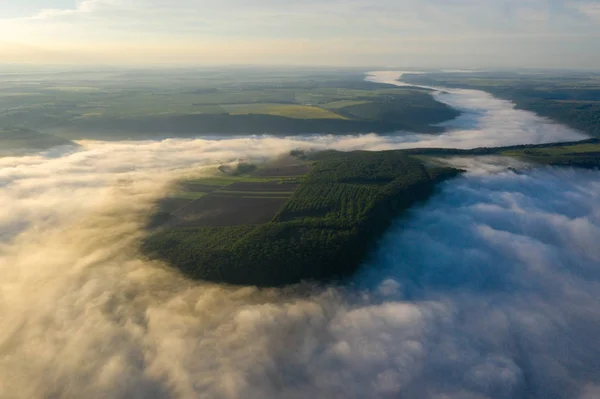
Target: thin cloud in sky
{"points": [[549, 27], [591, 10]]}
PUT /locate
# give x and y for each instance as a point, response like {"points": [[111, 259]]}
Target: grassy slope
{"points": [[323, 232], [285, 110]]}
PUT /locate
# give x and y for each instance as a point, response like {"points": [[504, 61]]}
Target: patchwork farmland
{"points": [[232, 199]]}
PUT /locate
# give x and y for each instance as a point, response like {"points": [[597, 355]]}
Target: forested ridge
{"points": [[581, 154], [323, 232]]}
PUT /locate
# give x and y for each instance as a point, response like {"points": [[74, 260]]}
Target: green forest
{"points": [[324, 231]]}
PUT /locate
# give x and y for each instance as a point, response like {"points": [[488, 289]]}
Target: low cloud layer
{"points": [[510, 262], [488, 291]]}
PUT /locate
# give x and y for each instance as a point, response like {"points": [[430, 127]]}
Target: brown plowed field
{"points": [[284, 166], [215, 210], [197, 187], [288, 170], [262, 187], [172, 204]]}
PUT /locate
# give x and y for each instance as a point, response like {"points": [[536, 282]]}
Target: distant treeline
{"points": [[581, 154], [581, 116], [190, 125], [417, 112], [325, 231], [493, 150]]}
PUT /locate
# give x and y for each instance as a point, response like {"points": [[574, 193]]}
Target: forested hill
{"points": [[324, 231]]}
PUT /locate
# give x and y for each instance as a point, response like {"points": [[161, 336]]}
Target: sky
{"points": [[425, 33]]}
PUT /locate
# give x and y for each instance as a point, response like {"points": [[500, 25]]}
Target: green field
{"points": [[343, 103], [285, 110]]}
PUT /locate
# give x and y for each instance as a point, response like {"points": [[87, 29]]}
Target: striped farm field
{"points": [[286, 110]]}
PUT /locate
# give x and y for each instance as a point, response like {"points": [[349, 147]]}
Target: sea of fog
{"points": [[490, 290]]}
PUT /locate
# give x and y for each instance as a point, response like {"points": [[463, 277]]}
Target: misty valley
{"points": [[295, 232]]}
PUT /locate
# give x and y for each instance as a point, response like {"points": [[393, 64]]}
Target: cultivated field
{"points": [[228, 210], [227, 199], [286, 110]]}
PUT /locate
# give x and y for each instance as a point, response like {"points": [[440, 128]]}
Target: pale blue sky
{"points": [[444, 33]]}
